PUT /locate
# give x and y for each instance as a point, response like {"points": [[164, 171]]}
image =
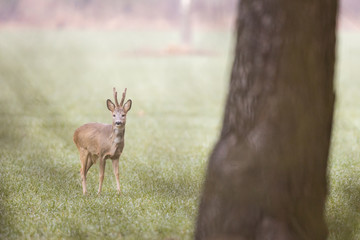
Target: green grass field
{"points": [[52, 82]]}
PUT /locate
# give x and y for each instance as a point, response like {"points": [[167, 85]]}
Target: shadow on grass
{"points": [[30, 166], [343, 210], [174, 184], [26, 100], [8, 226]]}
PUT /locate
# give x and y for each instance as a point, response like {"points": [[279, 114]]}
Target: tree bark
{"points": [[266, 177]]}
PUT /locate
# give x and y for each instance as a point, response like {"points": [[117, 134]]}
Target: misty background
{"points": [[60, 59], [127, 14]]}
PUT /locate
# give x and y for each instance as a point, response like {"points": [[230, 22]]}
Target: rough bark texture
{"points": [[266, 177]]}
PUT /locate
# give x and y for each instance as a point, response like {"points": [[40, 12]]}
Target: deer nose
{"points": [[117, 122]]}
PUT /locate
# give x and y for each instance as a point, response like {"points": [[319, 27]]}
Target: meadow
{"points": [[51, 82]]}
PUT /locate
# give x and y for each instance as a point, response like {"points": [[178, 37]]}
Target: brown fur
{"points": [[99, 142]]}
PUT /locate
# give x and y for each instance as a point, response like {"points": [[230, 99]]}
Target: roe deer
{"points": [[97, 141]]}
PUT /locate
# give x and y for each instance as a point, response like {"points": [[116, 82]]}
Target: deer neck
{"points": [[117, 135]]}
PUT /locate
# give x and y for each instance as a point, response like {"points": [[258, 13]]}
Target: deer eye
{"points": [[113, 115], [123, 115]]}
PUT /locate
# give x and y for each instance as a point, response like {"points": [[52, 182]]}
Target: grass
{"points": [[52, 82], [343, 208]]}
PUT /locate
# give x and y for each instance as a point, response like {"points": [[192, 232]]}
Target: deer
{"points": [[99, 142]]}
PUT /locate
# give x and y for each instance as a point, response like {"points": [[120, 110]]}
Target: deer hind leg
{"points": [[89, 162], [115, 164], [102, 164], [85, 165]]}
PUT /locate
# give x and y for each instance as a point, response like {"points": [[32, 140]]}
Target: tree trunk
{"points": [[266, 177], [186, 22]]}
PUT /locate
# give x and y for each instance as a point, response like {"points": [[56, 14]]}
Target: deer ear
{"points": [[110, 105], [127, 105]]}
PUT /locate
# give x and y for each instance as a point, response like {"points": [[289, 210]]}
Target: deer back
{"points": [[94, 137]]}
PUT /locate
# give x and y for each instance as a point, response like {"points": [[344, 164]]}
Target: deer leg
{"points": [[89, 163], [84, 155], [115, 164], [101, 173]]}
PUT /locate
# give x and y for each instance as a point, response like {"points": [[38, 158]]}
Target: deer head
{"points": [[119, 111]]}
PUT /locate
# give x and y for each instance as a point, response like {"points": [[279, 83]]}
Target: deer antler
{"points": [[123, 97], [115, 97]]}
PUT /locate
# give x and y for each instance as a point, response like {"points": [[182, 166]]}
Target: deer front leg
{"points": [[102, 164], [115, 164]]}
